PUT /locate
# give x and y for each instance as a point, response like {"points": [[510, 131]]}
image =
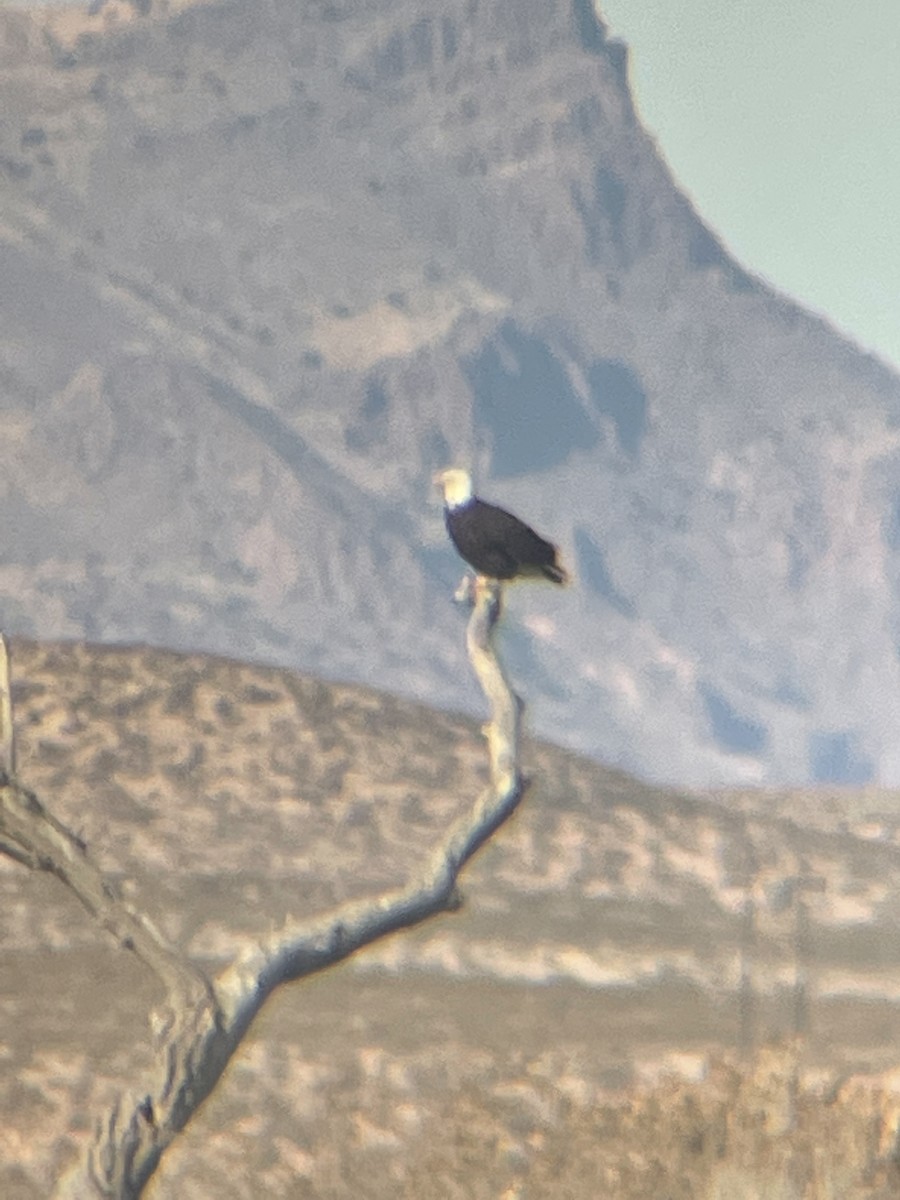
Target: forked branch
{"points": [[206, 1021]]}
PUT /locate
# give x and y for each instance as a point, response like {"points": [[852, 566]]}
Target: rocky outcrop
{"points": [[262, 270]]}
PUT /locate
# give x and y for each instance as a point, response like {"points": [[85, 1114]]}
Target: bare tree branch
{"points": [[8, 846], [7, 731], [34, 836], [206, 1022]]}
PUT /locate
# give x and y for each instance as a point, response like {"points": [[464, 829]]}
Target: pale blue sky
{"points": [[781, 120]]}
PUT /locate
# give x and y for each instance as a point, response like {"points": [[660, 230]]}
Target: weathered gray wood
{"points": [[204, 1022], [7, 731]]}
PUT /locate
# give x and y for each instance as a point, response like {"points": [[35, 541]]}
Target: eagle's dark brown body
{"points": [[500, 546]]}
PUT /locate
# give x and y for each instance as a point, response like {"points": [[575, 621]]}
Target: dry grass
{"points": [[551, 1039]]}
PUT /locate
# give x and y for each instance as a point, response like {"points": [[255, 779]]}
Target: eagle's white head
{"points": [[456, 485]]}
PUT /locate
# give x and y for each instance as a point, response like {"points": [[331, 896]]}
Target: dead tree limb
{"points": [[7, 730], [206, 1022], [31, 834]]}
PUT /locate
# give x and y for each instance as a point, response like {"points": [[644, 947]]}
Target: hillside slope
{"points": [[612, 934], [263, 268]]}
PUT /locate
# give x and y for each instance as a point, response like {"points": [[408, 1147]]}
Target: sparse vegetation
{"points": [[479, 1052], [204, 1019]]}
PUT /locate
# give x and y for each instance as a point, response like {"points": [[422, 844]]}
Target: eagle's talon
{"points": [[465, 591]]}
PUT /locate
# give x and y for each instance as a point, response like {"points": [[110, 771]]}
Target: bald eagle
{"points": [[493, 541]]}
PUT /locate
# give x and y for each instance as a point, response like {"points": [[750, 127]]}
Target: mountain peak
{"points": [[264, 269]]}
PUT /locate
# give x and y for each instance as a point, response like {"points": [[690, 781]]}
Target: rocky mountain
{"points": [[615, 942], [264, 267]]}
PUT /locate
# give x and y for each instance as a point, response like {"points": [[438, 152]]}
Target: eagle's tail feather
{"points": [[556, 573]]}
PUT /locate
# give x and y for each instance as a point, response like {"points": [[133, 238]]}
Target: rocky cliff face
{"points": [[263, 268]]}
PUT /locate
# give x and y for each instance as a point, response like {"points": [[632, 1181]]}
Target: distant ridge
{"points": [[263, 270]]}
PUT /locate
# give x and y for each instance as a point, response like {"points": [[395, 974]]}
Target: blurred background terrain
{"points": [[622, 950], [263, 268]]}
